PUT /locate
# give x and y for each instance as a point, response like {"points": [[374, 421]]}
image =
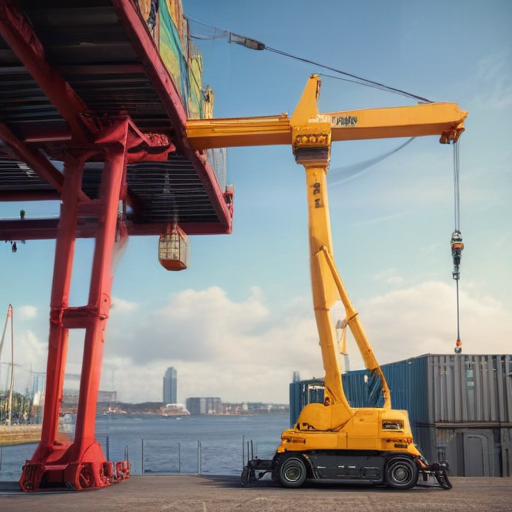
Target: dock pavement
{"points": [[225, 494]]}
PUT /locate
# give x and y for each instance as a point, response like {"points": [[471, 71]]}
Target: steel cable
{"points": [[457, 245], [456, 186]]}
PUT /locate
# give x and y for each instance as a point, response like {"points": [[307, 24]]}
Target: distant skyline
{"points": [[239, 321]]}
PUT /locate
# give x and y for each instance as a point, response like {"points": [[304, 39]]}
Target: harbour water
{"points": [[167, 445]]}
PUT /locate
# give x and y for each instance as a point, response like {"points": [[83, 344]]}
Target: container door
{"points": [[476, 454]]}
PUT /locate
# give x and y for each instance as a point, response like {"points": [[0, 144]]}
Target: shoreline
{"points": [[19, 434]]}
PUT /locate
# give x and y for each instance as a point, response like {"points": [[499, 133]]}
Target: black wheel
{"points": [[401, 473], [292, 472]]}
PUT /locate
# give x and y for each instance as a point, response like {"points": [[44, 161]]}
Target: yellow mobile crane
{"points": [[334, 441]]}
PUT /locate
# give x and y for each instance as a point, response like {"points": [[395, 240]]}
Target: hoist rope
{"points": [[457, 245], [456, 187], [458, 316]]}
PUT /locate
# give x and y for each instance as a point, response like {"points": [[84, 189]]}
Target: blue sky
{"points": [[239, 320]]}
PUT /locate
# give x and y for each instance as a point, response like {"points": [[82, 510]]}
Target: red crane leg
{"points": [[48, 449], [80, 464], [91, 468]]}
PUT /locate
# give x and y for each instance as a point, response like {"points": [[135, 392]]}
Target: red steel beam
{"points": [[47, 229], [29, 195], [137, 31], [62, 271], [25, 44], [36, 161], [147, 51], [20, 37]]}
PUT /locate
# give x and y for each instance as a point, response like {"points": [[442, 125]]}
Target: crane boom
{"points": [[414, 121], [440, 119]]}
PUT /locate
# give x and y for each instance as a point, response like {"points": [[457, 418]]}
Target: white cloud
{"points": [[26, 312], [422, 319], [390, 277], [235, 350], [123, 306], [243, 351], [30, 354]]}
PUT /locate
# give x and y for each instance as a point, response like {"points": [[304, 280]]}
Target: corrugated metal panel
{"points": [[407, 382], [356, 388], [425, 438], [302, 393], [471, 388], [444, 388], [294, 401]]}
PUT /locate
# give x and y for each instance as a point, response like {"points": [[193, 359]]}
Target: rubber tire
{"points": [[292, 472], [401, 473]]}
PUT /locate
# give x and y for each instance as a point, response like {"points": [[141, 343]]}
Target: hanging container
{"points": [[173, 249]]}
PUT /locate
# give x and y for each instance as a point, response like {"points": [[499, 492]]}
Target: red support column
{"points": [[91, 468], [58, 337], [80, 464]]}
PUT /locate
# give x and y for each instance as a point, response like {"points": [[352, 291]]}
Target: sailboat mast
{"points": [[11, 386], [5, 329]]}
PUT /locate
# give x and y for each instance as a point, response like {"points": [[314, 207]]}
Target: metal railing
{"points": [[151, 456], [158, 457]]}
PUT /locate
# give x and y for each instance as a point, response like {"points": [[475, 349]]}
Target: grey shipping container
{"points": [[460, 407]]}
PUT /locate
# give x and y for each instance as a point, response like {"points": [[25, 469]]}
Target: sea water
{"points": [[215, 445]]}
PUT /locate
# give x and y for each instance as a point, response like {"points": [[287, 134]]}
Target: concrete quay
{"points": [[225, 494], [18, 434]]}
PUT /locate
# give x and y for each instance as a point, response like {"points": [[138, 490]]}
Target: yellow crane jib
{"points": [[445, 120]]}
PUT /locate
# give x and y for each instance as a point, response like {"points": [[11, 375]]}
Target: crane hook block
{"points": [[457, 247], [458, 347]]}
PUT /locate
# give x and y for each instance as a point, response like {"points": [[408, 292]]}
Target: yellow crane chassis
{"points": [[398, 470]]}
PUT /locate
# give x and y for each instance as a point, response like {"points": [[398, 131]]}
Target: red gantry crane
{"points": [[90, 116]]}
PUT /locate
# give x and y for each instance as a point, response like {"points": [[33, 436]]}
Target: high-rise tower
{"points": [[170, 386]]}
